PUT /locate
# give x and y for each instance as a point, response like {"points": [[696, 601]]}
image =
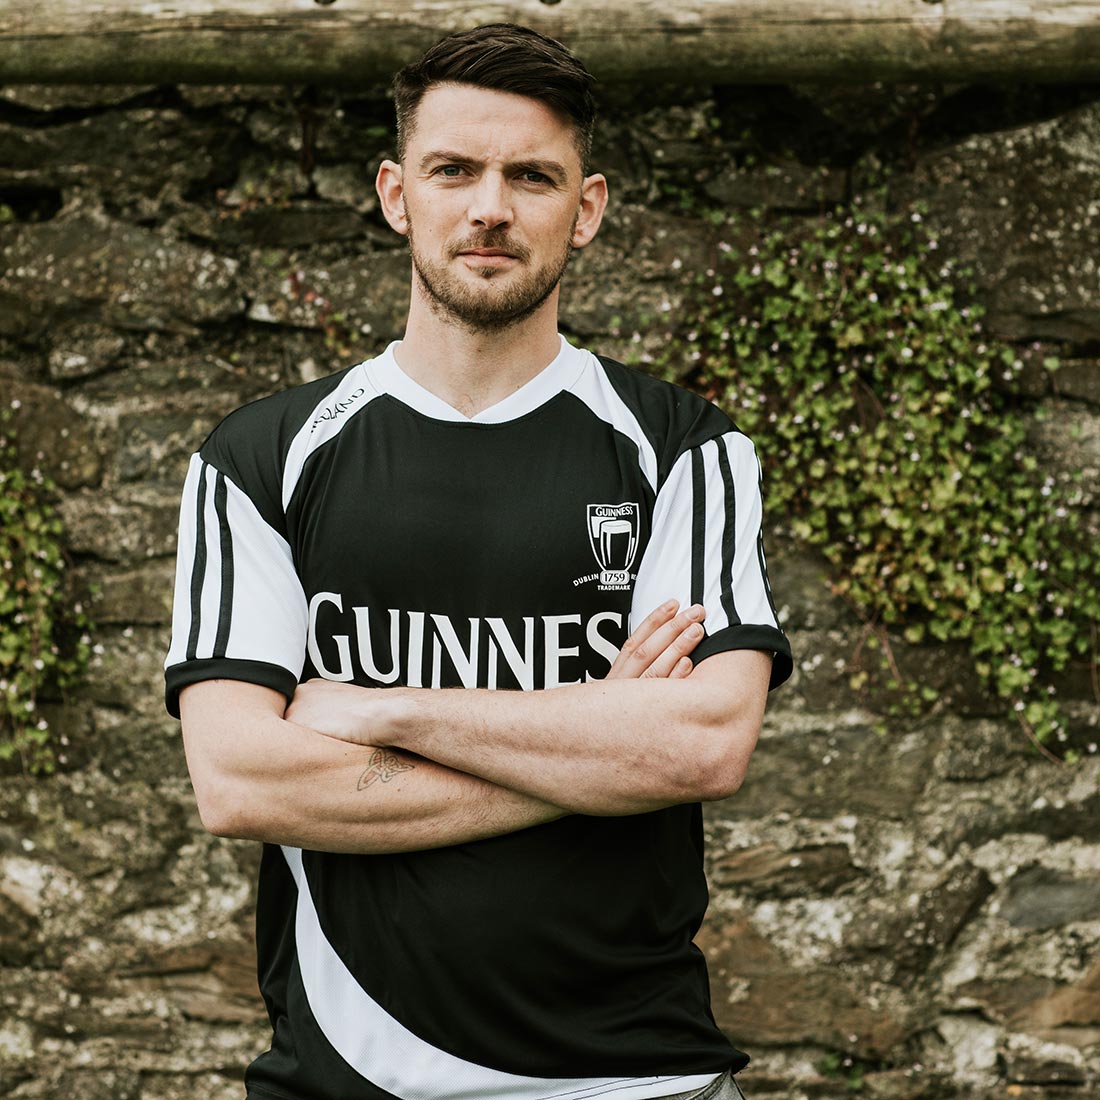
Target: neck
{"points": [[473, 370]]}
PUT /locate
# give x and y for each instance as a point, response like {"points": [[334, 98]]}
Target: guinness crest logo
{"points": [[613, 535]]}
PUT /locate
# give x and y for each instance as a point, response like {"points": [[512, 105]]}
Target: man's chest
{"points": [[496, 557]]}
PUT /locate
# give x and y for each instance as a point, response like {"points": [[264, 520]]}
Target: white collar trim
{"points": [[386, 376]]}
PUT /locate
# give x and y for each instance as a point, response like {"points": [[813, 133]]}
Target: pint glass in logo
{"points": [[613, 533]]}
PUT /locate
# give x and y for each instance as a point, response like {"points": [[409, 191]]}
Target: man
{"points": [[478, 891]]}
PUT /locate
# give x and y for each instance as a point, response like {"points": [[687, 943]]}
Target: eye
{"points": [[450, 171], [531, 176]]}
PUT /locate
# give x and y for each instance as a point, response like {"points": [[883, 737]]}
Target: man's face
{"points": [[491, 195]]}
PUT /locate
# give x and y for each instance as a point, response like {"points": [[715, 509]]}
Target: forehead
{"points": [[489, 125]]}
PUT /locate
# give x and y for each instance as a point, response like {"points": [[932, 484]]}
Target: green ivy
{"points": [[44, 644], [843, 1067], [893, 443]]}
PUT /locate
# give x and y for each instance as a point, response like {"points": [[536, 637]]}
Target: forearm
{"points": [[274, 780], [610, 747], [601, 748]]}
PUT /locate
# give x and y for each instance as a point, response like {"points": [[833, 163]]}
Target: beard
{"points": [[483, 310]]}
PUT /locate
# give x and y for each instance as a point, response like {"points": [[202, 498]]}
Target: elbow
{"points": [[722, 761], [220, 811]]}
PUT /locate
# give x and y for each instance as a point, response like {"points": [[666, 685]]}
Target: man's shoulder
{"points": [[251, 446], [674, 417], [277, 417]]}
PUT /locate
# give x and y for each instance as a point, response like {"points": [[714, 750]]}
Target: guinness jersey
{"points": [[360, 529]]}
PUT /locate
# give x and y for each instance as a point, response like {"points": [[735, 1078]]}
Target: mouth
{"points": [[488, 253]]}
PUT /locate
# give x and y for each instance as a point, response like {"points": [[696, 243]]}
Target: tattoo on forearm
{"points": [[383, 765]]}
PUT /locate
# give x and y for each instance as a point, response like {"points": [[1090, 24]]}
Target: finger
{"points": [[682, 669], [676, 651], [665, 645], [656, 619]]}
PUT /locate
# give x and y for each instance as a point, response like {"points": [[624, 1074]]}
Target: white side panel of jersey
{"points": [[391, 1057], [596, 391], [330, 415], [717, 537], [237, 594], [665, 569]]}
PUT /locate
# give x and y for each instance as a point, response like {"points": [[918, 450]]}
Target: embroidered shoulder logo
{"points": [[613, 536]]}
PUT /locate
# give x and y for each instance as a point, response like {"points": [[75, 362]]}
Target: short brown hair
{"points": [[504, 57]]}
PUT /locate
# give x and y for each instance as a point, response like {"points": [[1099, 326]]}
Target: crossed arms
{"points": [[351, 769]]}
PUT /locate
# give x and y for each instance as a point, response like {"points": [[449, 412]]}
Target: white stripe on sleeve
{"points": [[751, 593], [705, 543], [237, 593]]}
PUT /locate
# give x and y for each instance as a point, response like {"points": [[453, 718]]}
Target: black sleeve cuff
{"points": [[179, 676], [750, 636]]}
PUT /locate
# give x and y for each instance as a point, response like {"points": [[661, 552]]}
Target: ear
{"points": [[593, 204], [390, 191]]}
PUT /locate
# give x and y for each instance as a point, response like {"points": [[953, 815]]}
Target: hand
{"points": [[344, 711], [661, 644]]}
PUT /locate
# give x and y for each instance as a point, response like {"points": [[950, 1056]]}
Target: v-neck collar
{"points": [[386, 377]]}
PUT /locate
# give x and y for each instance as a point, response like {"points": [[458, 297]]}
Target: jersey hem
{"points": [[751, 636], [177, 677]]}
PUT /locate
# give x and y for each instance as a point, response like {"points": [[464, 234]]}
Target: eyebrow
{"points": [[551, 168]]}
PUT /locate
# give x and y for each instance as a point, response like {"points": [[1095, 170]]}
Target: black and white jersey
{"points": [[360, 529]]}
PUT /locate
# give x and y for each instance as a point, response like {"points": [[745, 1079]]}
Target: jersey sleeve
{"points": [[239, 611], [706, 546]]}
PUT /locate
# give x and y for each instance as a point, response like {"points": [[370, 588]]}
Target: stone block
{"points": [[210, 375], [141, 595], [121, 528], [347, 185], [1027, 1069], [802, 590], [1033, 800], [976, 750], [188, 1086], [1040, 897], [58, 97], [288, 224], [1078, 379], [1042, 1006], [782, 182], [136, 278], [1011, 203], [141, 748], [831, 770], [51, 435], [127, 669], [930, 923], [760, 999], [1067, 443], [82, 349], [158, 444], [769, 871], [367, 295], [119, 153], [19, 927], [213, 981]]}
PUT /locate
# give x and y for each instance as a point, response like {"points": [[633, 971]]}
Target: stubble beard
{"points": [[455, 302]]}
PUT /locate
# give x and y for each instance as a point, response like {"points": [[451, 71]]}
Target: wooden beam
{"points": [[360, 42]]}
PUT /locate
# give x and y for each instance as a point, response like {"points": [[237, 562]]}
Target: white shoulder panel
{"points": [[326, 422], [595, 389]]}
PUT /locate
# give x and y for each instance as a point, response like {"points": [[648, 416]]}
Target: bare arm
{"points": [[609, 747], [260, 776]]}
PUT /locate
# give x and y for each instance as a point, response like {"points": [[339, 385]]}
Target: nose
{"points": [[490, 202]]}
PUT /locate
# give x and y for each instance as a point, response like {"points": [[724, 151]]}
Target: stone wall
{"points": [[910, 907]]}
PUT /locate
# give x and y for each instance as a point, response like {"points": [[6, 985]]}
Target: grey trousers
{"points": [[724, 1088]]}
